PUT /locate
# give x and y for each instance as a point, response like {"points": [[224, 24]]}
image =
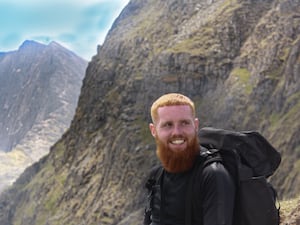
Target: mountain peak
{"points": [[30, 44], [55, 44]]}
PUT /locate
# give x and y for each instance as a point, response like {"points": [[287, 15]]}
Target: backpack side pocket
{"points": [[256, 203]]}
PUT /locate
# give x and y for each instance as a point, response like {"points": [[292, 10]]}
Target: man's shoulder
{"points": [[209, 166], [215, 168]]}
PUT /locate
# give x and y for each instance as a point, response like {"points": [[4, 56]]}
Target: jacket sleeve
{"points": [[218, 195]]}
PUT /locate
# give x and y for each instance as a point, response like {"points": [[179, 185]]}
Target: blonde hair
{"points": [[171, 99]]}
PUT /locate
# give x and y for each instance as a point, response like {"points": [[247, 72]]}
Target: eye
{"points": [[185, 122], [167, 125]]}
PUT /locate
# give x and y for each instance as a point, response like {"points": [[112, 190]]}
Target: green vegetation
{"points": [[113, 95], [197, 44], [242, 76], [285, 122], [55, 193], [145, 22], [145, 134], [293, 114], [41, 199], [274, 118], [138, 75], [287, 207], [203, 41], [297, 164], [284, 54], [297, 151], [275, 73], [294, 98], [59, 150]]}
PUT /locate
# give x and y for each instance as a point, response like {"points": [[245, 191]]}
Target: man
{"points": [[174, 127]]}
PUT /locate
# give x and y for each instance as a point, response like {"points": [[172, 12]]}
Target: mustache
{"points": [[177, 137]]}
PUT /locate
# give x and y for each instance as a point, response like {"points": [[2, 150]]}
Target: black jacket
{"points": [[213, 192]]}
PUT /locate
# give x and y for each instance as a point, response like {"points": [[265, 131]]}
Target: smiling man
{"points": [[175, 129]]}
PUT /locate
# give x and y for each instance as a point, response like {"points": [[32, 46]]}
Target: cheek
{"points": [[162, 135], [192, 133]]}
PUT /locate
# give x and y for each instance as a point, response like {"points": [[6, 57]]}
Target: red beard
{"points": [[176, 162]]}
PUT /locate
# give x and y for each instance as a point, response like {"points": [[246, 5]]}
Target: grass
{"points": [[287, 207], [242, 76], [144, 134], [197, 44]]}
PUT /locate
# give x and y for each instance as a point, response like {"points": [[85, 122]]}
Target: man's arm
{"points": [[218, 195]]}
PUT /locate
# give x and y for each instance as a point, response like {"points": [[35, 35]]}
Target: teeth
{"points": [[178, 142]]}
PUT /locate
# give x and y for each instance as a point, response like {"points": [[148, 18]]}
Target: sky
{"points": [[78, 25]]}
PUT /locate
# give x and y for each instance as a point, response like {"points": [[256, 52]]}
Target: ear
{"points": [[196, 121], [152, 129]]}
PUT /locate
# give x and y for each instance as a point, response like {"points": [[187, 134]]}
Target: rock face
{"points": [[239, 62], [40, 86]]}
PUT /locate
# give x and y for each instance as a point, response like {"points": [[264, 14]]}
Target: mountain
{"points": [[40, 86], [239, 62]]}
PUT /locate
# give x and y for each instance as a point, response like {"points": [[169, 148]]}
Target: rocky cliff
{"points": [[239, 61], [39, 88]]}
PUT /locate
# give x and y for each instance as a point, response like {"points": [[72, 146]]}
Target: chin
{"points": [[178, 149]]}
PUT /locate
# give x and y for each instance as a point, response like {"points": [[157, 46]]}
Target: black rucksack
{"points": [[250, 159]]}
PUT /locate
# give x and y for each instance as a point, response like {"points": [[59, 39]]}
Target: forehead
{"points": [[174, 112]]}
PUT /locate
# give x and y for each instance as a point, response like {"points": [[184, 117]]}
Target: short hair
{"points": [[171, 99]]}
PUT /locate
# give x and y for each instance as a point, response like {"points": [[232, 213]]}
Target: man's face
{"points": [[175, 132], [175, 127]]}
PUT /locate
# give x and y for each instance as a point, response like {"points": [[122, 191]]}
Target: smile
{"points": [[178, 141]]}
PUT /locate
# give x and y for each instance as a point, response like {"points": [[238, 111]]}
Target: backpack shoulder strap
{"points": [[210, 155], [153, 179], [206, 157]]}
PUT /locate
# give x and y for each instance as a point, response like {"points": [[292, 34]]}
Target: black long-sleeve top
{"points": [[212, 197]]}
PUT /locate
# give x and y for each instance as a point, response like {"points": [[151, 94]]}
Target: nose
{"points": [[177, 130]]}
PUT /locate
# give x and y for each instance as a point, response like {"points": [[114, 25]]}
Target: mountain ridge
{"points": [[39, 90]]}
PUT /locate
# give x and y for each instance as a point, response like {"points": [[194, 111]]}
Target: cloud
{"points": [[76, 24]]}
